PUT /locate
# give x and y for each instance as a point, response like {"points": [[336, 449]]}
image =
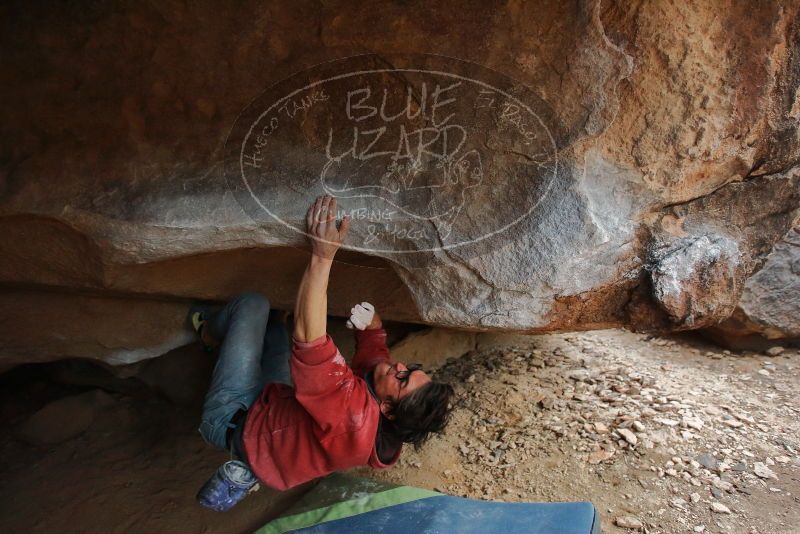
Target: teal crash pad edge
{"points": [[369, 506]]}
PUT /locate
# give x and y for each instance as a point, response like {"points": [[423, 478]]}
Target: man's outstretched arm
{"points": [[311, 306]]}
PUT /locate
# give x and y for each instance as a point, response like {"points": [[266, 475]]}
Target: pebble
{"points": [[610, 414], [723, 485], [665, 421], [739, 467], [599, 456], [678, 502], [629, 521], [580, 375], [693, 422], [762, 471], [775, 351], [629, 436], [707, 461], [719, 508]]}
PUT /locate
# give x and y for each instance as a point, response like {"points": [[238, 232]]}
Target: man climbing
{"points": [[292, 416]]}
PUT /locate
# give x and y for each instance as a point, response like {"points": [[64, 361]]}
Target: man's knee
{"points": [[252, 303]]}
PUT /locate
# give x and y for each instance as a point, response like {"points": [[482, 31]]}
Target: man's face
{"points": [[389, 387]]}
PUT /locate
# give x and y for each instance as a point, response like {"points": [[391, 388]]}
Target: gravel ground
{"points": [[661, 434]]}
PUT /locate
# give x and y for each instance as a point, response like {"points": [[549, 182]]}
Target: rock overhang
{"points": [[130, 182]]}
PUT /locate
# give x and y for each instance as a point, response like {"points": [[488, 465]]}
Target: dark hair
{"points": [[424, 411]]}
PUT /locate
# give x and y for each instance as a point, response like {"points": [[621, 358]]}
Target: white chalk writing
{"points": [[511, 113], [291, 107], [439, 143], [394, 232], [372, 214], [411, 155], [360, 106], [485, 99]]}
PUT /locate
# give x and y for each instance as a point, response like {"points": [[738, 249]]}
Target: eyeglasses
{"points": [[402, 376]]}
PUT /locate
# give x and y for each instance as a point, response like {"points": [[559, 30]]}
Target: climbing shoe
{"points": [[197, 319], [230, 484]]}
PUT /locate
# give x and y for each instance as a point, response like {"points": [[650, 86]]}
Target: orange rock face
{"points": [[582, 165]]}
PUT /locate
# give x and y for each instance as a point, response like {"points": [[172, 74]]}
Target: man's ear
{"points": [[386, 409]]}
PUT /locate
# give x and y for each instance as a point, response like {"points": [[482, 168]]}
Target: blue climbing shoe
{"points": [[230, 484]]}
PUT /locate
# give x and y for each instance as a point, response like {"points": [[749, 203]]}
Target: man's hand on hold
{"points": [[326, 235], [364, 317]]}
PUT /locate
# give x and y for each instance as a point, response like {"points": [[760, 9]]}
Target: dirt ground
{"points": [[655, 432]]}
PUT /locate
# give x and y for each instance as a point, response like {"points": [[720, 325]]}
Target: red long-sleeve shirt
{"points": [[328, 422]]}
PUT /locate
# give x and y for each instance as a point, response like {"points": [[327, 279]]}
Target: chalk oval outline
{"points": [[443, 247]]}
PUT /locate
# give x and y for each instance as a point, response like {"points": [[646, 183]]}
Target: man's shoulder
{"points": [[358, 418]]}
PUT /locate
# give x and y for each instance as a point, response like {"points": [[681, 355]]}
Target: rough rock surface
{"points": [[673, 126], [696, 272], [64, 418], [770, 305], [43, 326]]}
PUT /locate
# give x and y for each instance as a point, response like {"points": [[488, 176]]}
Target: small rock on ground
{"points": [[762, 471], [719, 508], [629, 521], [629, 436]]}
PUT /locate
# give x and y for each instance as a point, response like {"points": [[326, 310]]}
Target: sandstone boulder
{"points": [[769, 309], [38, 326], [579, 165]]}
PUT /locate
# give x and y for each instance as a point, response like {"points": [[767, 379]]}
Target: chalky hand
{"points": [[361, 316]]}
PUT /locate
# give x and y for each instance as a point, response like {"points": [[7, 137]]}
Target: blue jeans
{"points": [[254, 352]]}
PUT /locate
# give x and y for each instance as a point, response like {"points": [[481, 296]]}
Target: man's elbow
{"points": [[300, 332]]}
